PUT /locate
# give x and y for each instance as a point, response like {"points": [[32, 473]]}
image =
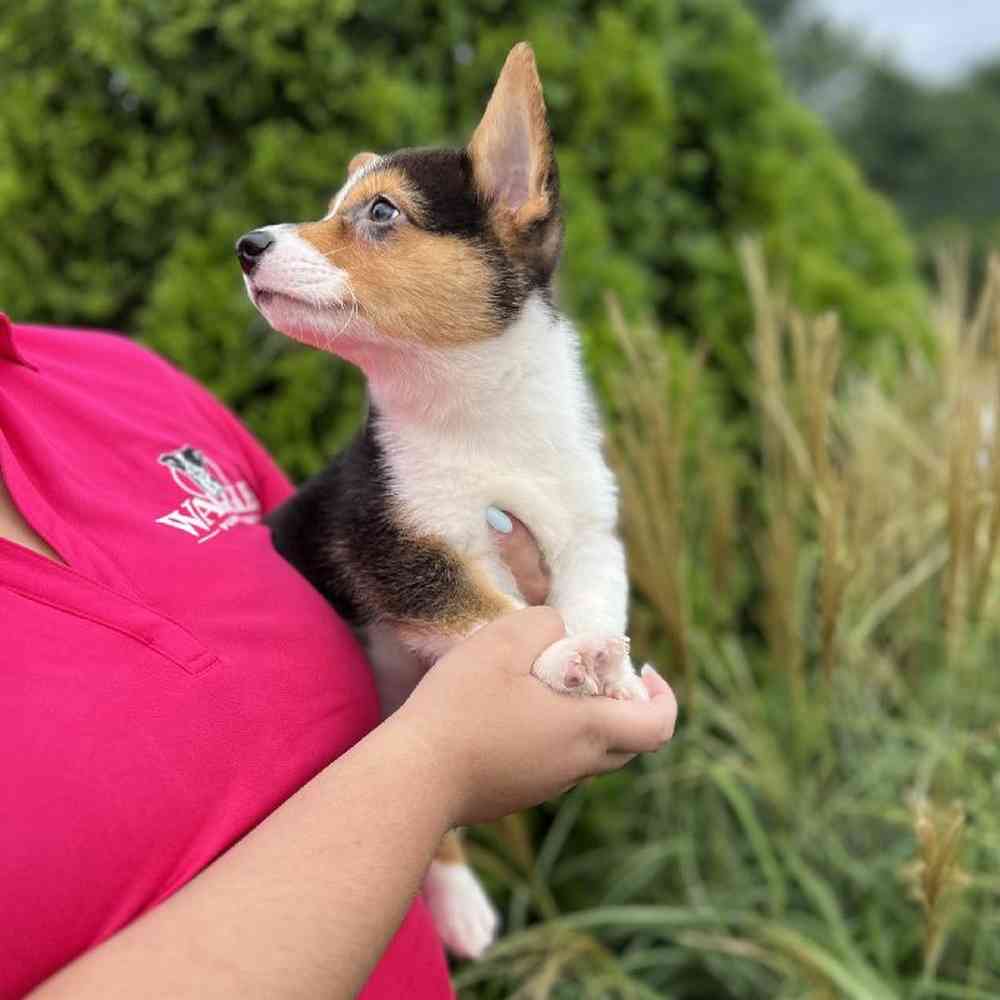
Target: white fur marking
{"points": [[462, 912], [367, 169], [510, 422]]}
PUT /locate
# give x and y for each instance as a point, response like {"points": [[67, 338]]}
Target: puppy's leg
{"points": [[462, 912], [457, 598], [590, 590]]}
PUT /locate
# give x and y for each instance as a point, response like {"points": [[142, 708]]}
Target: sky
{"points": [[936, 38]]}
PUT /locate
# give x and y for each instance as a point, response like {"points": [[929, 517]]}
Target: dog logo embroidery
{"points": [[214, 504]]}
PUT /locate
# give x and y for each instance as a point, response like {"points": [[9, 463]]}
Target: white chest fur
{"points": [[508, 422]]}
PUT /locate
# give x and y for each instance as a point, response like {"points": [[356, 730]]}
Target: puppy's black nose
{"points": [[251, 246]]}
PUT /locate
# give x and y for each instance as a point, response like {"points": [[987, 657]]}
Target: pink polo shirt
{"points": [[175, 680]]}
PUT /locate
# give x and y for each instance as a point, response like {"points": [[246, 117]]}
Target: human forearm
{"points": [[304, 905], [301, 907]]}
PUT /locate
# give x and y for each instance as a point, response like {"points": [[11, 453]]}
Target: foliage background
{"points": [[139, 138], [933, 148], [812, 553]]}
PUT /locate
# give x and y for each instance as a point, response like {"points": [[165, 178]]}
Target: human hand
{"points": [[519, 550], [501, 741]]}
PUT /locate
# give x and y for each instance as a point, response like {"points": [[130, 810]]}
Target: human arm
{"points": [[305, 903]]}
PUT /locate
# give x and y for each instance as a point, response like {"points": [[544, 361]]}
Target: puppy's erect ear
{"points": [[511, 149], [359, 161]]}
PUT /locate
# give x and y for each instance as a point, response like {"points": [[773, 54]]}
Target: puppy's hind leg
{"points": [[462, 912], [457, 598]]}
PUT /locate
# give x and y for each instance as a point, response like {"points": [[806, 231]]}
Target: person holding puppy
{"points": [[198, 800]]}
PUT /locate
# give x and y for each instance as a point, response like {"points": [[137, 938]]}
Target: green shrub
{"points": [[139, 138]]}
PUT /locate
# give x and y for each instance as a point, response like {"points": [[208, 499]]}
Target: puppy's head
{"points": [[432, 246]]}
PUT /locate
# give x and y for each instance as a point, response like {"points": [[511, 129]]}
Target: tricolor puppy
{"points": [[432, 271]]}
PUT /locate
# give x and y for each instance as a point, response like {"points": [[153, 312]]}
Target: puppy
{"points": [[432, 271]]}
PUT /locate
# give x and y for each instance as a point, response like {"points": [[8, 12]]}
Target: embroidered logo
{"points": [[214, 504]]}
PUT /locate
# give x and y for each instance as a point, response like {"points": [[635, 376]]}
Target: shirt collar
{"points": [[9, 350]]}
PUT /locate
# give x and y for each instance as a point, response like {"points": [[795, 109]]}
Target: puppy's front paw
{"points": [[462, 912], [626, 685], [582, 664]]}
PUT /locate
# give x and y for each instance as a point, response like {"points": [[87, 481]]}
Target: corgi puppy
{"points": [[432, 271]]}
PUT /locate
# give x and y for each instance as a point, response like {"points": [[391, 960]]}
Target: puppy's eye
{"points": [[382, 210]]}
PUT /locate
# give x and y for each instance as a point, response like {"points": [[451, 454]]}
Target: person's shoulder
{"points": [[141, 386], [86, 346], [110, 359]]}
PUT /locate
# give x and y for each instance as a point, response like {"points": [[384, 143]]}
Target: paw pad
{"points": [[590, 664]]}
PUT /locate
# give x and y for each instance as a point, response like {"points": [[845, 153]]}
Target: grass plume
{"points": [[815, 566]]}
